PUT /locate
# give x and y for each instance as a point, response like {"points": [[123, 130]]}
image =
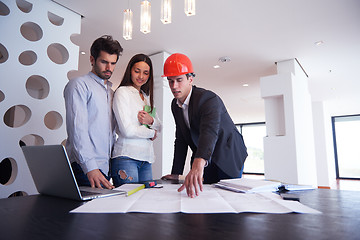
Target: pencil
{"points": [[135, 190]]}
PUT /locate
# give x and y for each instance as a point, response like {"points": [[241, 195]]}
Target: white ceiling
{"points": [[253, 33]]}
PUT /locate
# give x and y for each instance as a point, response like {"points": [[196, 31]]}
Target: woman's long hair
{"points": [[148, 87]]}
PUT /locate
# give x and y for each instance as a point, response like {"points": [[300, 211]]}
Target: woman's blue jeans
{"points": [[128, 170]]}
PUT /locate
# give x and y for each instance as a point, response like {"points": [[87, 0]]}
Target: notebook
{"points": [[152, 113], [52, 174]]}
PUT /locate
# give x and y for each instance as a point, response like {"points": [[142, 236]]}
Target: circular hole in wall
{"points": [[32, 140], [72, 74], [31, 31], [17, 116], [58, 53], [37, 87], [4, 55], [27, 58], [24, 6], [75, 38], [2, 96], [55, 19], [8, 171], [4, 10], [53, 120], [18, 194]]}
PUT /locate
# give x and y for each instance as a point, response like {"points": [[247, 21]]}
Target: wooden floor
{"points": [[339, 184]]}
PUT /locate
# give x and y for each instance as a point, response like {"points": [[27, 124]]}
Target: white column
{"points": [[289, 153], [164, 144], [324, 149]]}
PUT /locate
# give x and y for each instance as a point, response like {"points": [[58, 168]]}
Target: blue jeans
{"points": [[128, 170], [81, 177]]}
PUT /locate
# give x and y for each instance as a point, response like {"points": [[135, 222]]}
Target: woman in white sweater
{"points": [[137, 123]]}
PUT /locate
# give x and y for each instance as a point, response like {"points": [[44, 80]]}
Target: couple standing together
{"points": [[94, 113]]}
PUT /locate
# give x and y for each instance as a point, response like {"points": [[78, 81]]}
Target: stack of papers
{"points": [[245, 185], [292, 187]]}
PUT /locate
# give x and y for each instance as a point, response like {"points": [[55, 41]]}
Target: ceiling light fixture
{"points": [[224, 59], [189, 7], [127, 24], [245, 85], [145, 17], [318, 43], [165, 11], [82, 53]]}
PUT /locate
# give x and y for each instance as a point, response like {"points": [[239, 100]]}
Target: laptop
{"points": [[52, 174]]}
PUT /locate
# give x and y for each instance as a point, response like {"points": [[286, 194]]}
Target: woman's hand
{"points": [[154, 137], [145, 118]]}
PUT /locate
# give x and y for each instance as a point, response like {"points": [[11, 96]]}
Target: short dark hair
{"points": [[107, 44], [148, 87]]}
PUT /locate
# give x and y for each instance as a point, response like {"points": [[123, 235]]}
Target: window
{"points": [[254, 134], [346, 136]]}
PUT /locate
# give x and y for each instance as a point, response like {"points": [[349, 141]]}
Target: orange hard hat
{"points": [[177, 64]]}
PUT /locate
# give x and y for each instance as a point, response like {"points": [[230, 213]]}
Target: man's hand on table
{"points": [[194, 180]]}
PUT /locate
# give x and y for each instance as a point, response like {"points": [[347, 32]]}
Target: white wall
{"points": [[36, 37], [324, 148]]}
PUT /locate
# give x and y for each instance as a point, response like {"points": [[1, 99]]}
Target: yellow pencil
{"points": [[135, 190]]}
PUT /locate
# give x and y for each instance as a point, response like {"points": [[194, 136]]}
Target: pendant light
{"points": [[165, 11], [189, 7], [145, 17], [128, 24]]}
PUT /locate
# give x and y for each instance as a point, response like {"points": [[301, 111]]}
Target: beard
{"points": [[100, 74]]}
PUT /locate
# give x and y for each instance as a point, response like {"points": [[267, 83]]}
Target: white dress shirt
{"points": [[185, 107], [133, 138], [90, 122]]}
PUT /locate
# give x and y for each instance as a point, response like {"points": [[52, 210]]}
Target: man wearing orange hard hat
{"points": [[203, 124]]}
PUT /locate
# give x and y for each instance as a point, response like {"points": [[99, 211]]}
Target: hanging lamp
{"points": [[165, 11], [145, 17], [189, 7], [128, 24]]}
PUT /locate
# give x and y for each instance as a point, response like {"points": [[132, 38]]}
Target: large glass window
{"points": [[254, 134], [346, 133]]}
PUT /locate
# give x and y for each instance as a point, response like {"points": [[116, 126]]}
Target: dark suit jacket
{"points": [[212, 135]]}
